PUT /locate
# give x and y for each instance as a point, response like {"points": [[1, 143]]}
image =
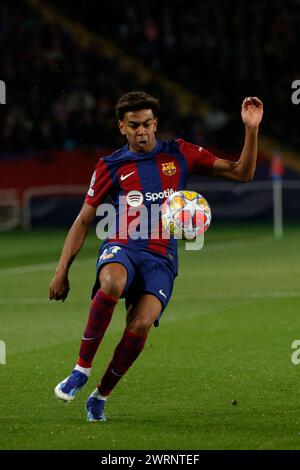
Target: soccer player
{"points": [[141, 270]]}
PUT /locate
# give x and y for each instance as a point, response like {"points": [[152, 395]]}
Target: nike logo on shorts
{"points": [[162, 293]]}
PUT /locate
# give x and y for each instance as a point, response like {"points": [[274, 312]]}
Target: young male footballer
{"points": [[140, 270]]}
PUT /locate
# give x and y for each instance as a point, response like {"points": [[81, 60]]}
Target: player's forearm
{"points": [[247, 161], [72, 246]]}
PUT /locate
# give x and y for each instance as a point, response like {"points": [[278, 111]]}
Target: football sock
{"points": [[96, 394], [127, 351], [83, 370], [99, 318]]}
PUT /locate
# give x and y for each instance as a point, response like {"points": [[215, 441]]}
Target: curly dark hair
{"points": [[134, 101]]}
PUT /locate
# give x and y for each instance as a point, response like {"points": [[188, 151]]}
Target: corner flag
{"points": [[277, 171]]}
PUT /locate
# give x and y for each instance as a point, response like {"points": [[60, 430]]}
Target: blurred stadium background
{"points": [[65, 68], [65, 64]]}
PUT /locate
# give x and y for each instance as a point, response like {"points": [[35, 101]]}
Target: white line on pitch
{"points": [[231, 243], [252, 295], [30, 301], [246, 296], [235, 243], [34, 268]]}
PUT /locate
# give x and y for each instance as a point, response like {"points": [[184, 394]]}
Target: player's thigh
{"points": [[142, 314], [115, 271], [113, 278]]}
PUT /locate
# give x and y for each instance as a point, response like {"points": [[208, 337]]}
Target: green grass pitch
{"points": [[216, 374]]}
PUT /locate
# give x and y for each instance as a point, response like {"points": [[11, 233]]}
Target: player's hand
{"points": [[252, 111], [59, 288]]}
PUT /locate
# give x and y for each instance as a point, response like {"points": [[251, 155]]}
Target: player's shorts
{"points": [[147, 273]]}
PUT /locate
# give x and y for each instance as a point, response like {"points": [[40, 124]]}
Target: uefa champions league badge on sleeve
{"points": [[2, 352]]}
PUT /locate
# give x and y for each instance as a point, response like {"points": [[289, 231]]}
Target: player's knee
{"points": [[113, 281], [139, 326]]}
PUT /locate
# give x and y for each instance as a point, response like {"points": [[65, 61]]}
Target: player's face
{"points": [[139, 128]]}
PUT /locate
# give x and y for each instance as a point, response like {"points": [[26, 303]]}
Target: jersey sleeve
{"points": [[200, 161], [100, 185]]}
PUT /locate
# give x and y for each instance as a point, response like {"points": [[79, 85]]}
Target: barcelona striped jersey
{"points": [[139, 183]]}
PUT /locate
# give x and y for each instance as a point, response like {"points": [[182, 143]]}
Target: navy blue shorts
{"points": [[147, 273]]}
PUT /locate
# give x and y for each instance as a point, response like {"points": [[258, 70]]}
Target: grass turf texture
{"points": [[216, 374]]}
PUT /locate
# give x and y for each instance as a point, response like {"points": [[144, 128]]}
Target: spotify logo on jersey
{"points": [[134, 198]]}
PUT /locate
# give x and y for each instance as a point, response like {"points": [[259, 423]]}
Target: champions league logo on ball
{"points": [[2, 92]]}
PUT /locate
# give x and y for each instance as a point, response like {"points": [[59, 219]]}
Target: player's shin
{"points": [[98, 320], [127, 351]]}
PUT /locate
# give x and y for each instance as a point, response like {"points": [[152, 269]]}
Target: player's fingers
{"points": [[256, 101], [252, 100], [55, 295], [255, 98], [58, 294], [66, 294], [246, 102]]}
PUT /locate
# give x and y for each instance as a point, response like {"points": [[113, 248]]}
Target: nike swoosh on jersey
{"points": [[87, 339], [124, 177]]}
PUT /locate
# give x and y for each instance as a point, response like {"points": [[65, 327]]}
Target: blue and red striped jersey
{"points": [[140, 182]]}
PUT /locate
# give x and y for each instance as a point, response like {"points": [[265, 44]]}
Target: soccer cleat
{"points": [[68, 388], [95, 409]]}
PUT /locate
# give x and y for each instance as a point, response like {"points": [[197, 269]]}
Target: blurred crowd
{"points": [[61, 95]]}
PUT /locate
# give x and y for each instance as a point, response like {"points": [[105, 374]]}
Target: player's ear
{"points": [[121, 127], [155, 123]]}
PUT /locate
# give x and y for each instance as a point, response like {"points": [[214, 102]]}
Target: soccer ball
{"points": [[186, 214]]}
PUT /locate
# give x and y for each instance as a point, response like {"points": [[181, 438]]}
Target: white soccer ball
{"points": [[186, 214]]}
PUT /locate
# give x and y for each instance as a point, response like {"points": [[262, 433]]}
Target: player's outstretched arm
{"points": [[244, 169], [59, 286]]}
